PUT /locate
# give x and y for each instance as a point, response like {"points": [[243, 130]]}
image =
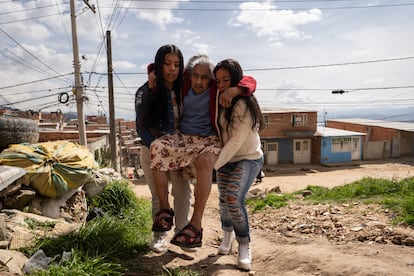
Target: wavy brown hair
{"points": [[236, 74]]}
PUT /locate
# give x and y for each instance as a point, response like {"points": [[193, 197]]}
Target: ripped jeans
{"points": [[234, 181]]}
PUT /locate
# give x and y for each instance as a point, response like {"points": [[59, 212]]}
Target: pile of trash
{"points": [[45, 182]]}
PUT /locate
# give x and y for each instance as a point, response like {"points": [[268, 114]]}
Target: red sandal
{"points": [[188, 237], [163, 220]]}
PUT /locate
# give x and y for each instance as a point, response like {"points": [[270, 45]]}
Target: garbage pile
{"points": [[47, 181]]}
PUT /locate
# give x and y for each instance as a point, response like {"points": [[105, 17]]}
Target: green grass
{"points": [[271, 200], [35, 224], [397, 196], [80, 264], [102, 245], [107, 245]]}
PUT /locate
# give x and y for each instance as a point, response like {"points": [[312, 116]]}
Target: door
{"points": [[395, 147], [301, 151], [272, 153], [356, 148]]}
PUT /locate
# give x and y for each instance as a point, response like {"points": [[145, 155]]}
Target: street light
{"points": [[339, 91]]}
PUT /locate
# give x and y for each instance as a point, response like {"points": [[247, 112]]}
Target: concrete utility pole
{"points": [[112, 132], [76, 65]]}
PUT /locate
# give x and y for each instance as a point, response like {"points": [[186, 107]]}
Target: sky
{"points": [[298, 51]]}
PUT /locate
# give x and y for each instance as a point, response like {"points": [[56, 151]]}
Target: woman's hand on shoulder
{"points": [[227, 96]]}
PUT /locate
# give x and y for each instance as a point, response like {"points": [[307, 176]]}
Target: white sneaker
{"points": [[244, 260], [159, 242], [227, 243]]}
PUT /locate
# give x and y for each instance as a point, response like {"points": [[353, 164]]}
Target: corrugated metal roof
{"points": [[333, 132], [284, 110], [378, 123]]}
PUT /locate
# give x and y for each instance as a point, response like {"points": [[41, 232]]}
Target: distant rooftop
{"points": [[378, 123], [333, 132], [269, 109]]}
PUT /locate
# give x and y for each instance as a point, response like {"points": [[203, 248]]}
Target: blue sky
{"points": [[298, 51]]}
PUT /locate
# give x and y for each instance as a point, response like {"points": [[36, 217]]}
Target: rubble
{"points": [[339, 223], [65, 214]]}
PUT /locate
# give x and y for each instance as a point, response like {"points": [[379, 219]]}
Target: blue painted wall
{"points": [[329, 157]]}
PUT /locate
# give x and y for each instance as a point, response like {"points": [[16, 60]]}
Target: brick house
{"points": [[287, 135], [384, 139]]}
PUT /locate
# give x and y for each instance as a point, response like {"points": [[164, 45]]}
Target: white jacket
{"points": [[240, 141]]}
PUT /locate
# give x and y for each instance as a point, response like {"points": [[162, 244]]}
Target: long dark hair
{"points": [[159, 63], [236, 74]]}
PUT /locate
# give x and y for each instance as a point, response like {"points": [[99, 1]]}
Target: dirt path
{"points": [[317, 246]]}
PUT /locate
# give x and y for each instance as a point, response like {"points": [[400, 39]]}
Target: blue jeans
{"points": [[234, 181]]}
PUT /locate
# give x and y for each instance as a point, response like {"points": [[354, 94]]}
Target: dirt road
{"points": [[325, 240]]}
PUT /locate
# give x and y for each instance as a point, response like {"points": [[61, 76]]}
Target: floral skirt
{"points": [[178, 151]]}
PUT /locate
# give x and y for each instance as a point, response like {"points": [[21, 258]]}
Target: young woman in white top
{"points": [[239, 162]]}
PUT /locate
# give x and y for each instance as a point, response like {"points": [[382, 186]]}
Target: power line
{"points": [[28, 9], [330, 65], [272, 9], [48, 105], [63, 24], [27, 51], [21, 61], [292, 67], [228, 9], [66, 89], [7, 102], [235, 2], [42, 97], [399, 115], [30, 82], [344, 89], [29, 18]]}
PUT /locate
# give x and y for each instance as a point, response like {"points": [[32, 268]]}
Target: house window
{"points": [[272, 147], [299, 119], [266, 120], [342, 144]]}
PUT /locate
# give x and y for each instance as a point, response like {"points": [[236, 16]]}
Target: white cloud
{"points": [[201, 48], [123, 64], [160, 18], [191, 39], [158, 13], [281, 38], [266, 21]]}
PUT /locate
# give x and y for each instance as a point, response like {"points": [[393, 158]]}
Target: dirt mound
{"points": [[303, 239]]}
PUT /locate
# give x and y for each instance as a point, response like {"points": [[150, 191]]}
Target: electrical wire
{"points": [[273, 9], [31, 82], [66, 89], [63, 25], [29, 18], [28, 9], [117, 17], [22, 61], [41, 97], [28, 52]]}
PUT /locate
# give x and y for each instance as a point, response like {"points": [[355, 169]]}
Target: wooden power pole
{"points": [[112, 132], [78, 83]]}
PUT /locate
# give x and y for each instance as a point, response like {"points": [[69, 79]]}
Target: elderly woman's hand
{"points": [[227, 96]]}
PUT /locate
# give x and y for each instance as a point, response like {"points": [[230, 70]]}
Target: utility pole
{"points": [[112, 132], [120, 147], [76, 65]]}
